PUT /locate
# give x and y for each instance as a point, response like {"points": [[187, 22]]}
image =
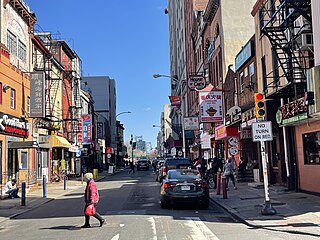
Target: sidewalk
{"points": [[10, 208], [296, 212]]}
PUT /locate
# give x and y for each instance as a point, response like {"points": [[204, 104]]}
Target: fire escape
{"points": [[287, 27]]}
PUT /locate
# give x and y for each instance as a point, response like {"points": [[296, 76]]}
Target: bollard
{"points": [[64, 182], [218, 182], [23, 194], [95, 173], [224, 187], [44, 186]]}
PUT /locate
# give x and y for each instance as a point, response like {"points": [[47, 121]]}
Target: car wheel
{"points": [[163, 204], [205, 204], [211, 182]]}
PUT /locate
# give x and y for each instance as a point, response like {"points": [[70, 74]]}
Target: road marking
{"points": [[153, 227], [116, 237], [199, 231]]}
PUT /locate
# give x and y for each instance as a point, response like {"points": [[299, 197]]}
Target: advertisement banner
{"points": [[191, 123], [80, 131], [210, 106], [86, 129], [37, 95], [100, 130], [175, 100]]}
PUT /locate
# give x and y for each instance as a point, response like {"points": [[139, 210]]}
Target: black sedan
{"points": [[142, 164], [184, 186]]}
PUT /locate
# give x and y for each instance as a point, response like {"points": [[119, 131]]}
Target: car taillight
{"points": [[168, 185], [164, 170], [202, 185]]}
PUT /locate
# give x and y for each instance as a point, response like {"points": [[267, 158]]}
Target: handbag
{"points": [[90, 210]]}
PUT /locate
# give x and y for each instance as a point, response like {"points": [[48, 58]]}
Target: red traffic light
{"points": [[259, 96]]}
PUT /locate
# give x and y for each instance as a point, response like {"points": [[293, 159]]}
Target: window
{"points": [[245, 72], [22, 52], [12, 43], [28, 106], [24, 160], [13, 99], [241, 82], [311, 146], [251, 69], [0, 92]]}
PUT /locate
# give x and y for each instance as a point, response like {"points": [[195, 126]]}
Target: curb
{"points": [[239, 218], [47, 201]]}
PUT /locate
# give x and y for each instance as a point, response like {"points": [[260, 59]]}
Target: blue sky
{"points": [[124, 39]]}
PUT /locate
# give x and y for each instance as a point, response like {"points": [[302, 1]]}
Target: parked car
{"points": [[174, 163], [159, 169], [143, 164], [184, 186]]}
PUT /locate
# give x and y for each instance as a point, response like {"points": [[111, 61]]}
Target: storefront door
{"points": [[13, 164], [42, 163]]}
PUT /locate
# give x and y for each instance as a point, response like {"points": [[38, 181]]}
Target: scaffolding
{"points": [[287, 24]]}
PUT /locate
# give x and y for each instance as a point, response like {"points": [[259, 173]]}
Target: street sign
{"points": [[262, 131], [180, 153], [233, 150], [233, 141], [108, 155]]}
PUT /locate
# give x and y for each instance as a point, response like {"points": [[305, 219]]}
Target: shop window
{"points": [[24, 160], [311, 145]]}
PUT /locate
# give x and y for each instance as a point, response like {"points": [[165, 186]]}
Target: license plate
{"points": [[185, 188]]}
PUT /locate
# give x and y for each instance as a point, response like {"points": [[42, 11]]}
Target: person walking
{"points": [[229, 173], [131, 167], [91, 196]]}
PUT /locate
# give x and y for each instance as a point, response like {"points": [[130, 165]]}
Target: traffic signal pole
{"points": [[259, 101]]}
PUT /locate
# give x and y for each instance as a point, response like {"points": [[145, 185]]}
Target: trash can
{"points": [[110, 170]]}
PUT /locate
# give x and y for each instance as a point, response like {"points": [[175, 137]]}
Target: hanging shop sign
{"points": [[205, 141], [79, 135], [196, 82], [292, 112], [210, 106], [244, 55], [86, 129], [14, 126], [175, 101], [191, 123], [233, 115], [37, 95], [222, 132]]}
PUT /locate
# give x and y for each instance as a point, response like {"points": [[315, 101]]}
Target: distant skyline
{"points": [[125, 40]]}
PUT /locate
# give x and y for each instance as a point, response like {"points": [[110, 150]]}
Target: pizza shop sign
{"points": [[13, 126]]}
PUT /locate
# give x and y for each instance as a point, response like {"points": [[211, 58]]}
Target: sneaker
{"points": [[86, 226], [235, 188], [102, 222]]}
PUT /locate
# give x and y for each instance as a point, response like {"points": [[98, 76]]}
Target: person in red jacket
{"points": [[91, 196]]}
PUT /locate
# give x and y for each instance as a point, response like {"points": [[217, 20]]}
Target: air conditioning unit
{"points": [[313, 85], [305, 40]]}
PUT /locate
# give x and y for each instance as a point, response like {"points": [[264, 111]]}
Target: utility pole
{"points": [[131, 141]]}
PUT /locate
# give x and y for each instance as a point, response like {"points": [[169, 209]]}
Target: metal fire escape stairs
{"points": [[279, 24]]}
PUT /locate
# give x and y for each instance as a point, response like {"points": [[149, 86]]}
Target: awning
{"points": [[61, 142], [22, 145]]}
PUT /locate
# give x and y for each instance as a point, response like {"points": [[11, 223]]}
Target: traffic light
{"points": [[259, 107], [134, 145]]}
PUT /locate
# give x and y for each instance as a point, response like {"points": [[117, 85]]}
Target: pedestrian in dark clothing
{"points": [[91, 196], [131, 167], [216, 166], [229, 173], [242, 167]]}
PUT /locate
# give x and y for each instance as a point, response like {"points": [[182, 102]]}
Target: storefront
{"points": [[226, 143]]}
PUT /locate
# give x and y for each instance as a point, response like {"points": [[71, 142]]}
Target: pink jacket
{"points": [[91, 193]]}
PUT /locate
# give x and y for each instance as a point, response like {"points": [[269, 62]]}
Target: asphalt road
{"points": [[130, 204]]}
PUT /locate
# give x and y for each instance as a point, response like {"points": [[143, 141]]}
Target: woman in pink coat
{"points": [[91, 197]]}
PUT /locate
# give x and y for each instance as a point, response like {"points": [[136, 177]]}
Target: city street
{"points": [[130, 204]]}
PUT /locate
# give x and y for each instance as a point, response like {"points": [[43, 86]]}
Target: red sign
{"points": [[109, 150], [13, 126], [80, 131], [175, 100]]}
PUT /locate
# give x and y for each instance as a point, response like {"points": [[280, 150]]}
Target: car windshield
{"points": [[178, 161], [183, 174]]}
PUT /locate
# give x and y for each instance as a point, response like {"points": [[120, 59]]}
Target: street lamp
{"points": [[156, 126], [182, 108], [122, 113]]}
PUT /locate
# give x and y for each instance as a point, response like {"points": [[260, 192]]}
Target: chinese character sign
{"points": [[210, 106], [191, 123], [86, 129], [37, 96]]}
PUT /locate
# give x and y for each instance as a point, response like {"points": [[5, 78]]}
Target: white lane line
{"points": [[116, 237], [198, 230], [153, 227]]}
